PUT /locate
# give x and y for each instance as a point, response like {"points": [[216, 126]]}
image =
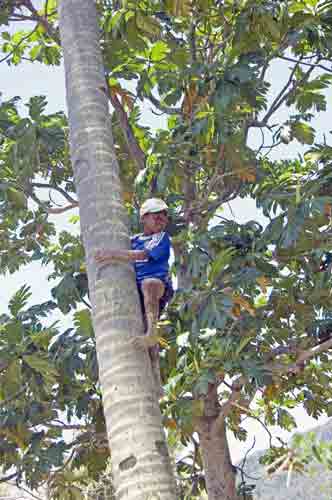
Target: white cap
{"points": [[153, 205]]}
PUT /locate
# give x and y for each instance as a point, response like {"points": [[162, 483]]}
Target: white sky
{"points": [[27, 80]]}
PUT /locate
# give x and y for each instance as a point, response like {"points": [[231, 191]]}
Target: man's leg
{"points": [[153, 289]]}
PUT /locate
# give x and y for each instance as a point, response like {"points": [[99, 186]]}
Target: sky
{"points": [[27, 80]]}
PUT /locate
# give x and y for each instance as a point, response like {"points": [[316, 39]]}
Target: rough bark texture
{"points": [[218, 468], [140, 460]]}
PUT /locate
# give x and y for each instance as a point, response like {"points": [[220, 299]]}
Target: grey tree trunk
{"points": [[140, 460]]}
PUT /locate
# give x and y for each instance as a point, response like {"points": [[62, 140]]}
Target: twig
{"points": [[86, 303], [66, 427], [50, 210], [162, 107], [27, 491], [56, 211], [136, 153], [248, 451], [312, 65], [280, 96], [18, 45], [64, 193], [6, 479], [251, 415], [42, 20]]}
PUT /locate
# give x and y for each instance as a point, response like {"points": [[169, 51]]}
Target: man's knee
{"points": [[153, 287]]}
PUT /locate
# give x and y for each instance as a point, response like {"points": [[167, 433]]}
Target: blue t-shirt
{"points": [[157, 246]]}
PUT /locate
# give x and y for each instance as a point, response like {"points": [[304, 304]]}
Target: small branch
{"points": [[12, 398], [56, 211], [8, 478], [311, 65], [64, 193], [50, 210], [18, 45], [66, 427], [251, 415], [192, 39], [281, 350], [303, 356], [234, 396], [42, 20], [275, 105], [136, 153], [282, 98], [242, 466], [163, 108], [86, 303], [27, 491]]}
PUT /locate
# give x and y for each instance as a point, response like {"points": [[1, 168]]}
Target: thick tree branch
{"points": [[66, 427], [50, 210], [279, 369], [64, 193], [235, 396], [136, 152], [61, 210]]}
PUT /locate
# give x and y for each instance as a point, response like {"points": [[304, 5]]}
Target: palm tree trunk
{"points": [[140, 460]]}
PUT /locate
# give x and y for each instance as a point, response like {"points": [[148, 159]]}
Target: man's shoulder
{"points": [[154, 236], [158, 238], [136, 236]]}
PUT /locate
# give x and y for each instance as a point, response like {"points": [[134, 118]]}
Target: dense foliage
{"points": [[254, 301]]}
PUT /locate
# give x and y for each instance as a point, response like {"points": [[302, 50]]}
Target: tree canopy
{"points": [[248, 332]]}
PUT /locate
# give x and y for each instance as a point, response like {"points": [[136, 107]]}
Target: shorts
{"points": [[165, 299]]}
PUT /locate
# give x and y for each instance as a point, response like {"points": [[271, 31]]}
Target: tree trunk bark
{"points": [[140, 460], [218, 468]]}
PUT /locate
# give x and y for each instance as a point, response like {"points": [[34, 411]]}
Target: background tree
{"points": [[248, 332]]}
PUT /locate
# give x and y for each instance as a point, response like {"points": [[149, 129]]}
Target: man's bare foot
{"points": [[144, 342]]}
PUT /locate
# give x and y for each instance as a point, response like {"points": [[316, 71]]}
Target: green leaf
{"points": [[159, 51], [201, 387], [148, 24], [303, 132], [15, 332], [37, 106], [6, 36], [243, 343], [42, 366], [198, 408], [12, 378], [270, 25], [220, 262], [83, 322], [19, 300], [17, 198]]}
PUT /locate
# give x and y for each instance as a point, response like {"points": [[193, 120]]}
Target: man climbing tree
{"points": [[150, 252]]}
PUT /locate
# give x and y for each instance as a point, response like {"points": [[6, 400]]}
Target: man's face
{"points": [[155, 222]]}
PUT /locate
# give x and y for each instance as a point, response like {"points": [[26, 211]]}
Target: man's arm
{"points": [[109, 256]]}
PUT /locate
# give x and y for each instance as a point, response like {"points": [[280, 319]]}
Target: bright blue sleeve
{"points": [[159, 247]]}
